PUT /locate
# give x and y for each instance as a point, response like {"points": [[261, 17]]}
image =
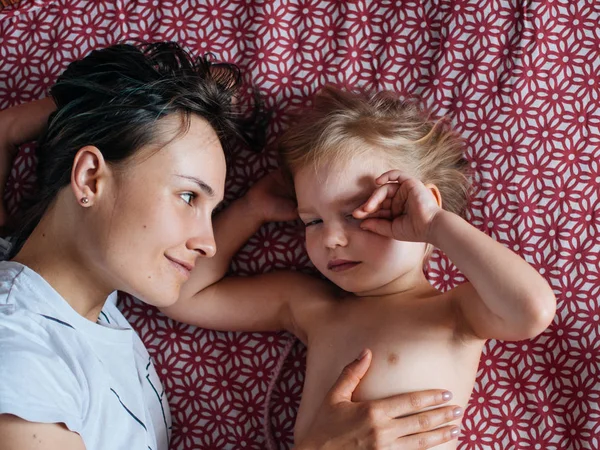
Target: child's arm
{"points": [[284, 300], [506, 298], [266, 201], [258, 303], [18, 125]]}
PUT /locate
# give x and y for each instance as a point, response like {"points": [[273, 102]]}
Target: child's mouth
{"points": [[340, 265]]}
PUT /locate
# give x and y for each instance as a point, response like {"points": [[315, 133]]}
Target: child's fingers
{"points": [[379, 214], [393, 176], [384, 210], [383, 213], [376, 201], [398, 202], [382, 227], [377, 198]]}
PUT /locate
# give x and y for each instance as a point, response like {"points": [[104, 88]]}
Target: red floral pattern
{"points": [[520, 81]]}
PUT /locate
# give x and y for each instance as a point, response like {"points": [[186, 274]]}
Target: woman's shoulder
{"points": [[35, 332], [37, 386], [5, 246], [36, 340], [35, 370], [27, 305]]}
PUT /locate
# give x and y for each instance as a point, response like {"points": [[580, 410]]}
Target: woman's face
{"points": [[160, 219]]}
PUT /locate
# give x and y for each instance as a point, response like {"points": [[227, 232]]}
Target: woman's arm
{"points": [[26, 122], [19, 434], [18, 125]]}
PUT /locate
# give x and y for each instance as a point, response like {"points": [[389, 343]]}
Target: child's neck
{"points": [[412, 281]]}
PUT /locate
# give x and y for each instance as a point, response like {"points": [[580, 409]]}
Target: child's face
{"points": [[358, 261]]}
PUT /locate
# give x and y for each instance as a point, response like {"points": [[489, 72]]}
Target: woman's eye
{"points": [[188, 197], [313, 222]]}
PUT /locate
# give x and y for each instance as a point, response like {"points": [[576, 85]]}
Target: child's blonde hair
{"points": [[343, 124]]}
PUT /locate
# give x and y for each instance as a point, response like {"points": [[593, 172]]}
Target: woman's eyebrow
{"points": [[201, 184]]}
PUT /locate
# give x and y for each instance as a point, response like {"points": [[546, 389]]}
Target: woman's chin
{"points": [[158, 296]]}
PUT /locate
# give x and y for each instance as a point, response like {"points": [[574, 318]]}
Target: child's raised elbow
{"points": [[540, 314]]}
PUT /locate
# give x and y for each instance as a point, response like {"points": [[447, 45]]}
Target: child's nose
{"points": [[335, 236]]}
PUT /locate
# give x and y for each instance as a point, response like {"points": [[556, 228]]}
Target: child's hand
{"points": [[402, 208], [272, 200]]}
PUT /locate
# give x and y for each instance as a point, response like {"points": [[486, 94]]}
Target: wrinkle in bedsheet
{"points": [[519, 79]]}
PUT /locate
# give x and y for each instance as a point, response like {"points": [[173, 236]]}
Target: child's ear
{"points": [[436, 193]]}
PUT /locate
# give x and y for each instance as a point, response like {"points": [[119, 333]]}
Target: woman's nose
{"points": [[204, 241], [206, 249]]}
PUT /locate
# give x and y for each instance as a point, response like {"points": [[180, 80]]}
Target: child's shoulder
{"points": [[463, 300], [306, 286], [311, 299]]}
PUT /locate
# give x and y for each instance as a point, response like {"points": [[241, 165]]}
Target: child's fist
{"points": [[402, 207], [272, 199]]}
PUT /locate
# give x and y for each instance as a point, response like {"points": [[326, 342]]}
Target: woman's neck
{"points": [[52, 255]]}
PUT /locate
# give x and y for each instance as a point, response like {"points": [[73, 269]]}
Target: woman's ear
{"points": [[89, 175], [435, 192]]}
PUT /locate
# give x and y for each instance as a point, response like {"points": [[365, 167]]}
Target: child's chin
{"points": [[350, 286]]}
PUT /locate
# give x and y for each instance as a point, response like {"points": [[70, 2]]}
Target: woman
{"points": [[130, 170]]}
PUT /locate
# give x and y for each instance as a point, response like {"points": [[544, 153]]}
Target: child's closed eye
{"points": [[312, 222], [350, 218]]}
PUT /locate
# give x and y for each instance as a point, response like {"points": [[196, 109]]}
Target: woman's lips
{"points": [[184, 268], [340, 265]]}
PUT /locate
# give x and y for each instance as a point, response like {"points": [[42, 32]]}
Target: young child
{"points": [[378, 185]]}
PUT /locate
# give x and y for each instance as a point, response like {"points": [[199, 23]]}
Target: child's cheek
{"points": [[312, 247]]}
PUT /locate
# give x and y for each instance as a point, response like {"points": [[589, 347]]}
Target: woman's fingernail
{"points": [[457, 412], [362, 354], [454, 432], [447, 396]]}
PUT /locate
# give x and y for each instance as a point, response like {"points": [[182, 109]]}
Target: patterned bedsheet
{"points": [[521, 82]]}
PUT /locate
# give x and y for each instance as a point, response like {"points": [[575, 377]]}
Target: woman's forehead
{"points": [[194, 153]]}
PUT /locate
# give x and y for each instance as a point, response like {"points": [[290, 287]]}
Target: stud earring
{"points": [[85, 200]]}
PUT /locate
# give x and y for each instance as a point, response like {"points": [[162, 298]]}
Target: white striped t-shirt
{"points": [[58, 367]]}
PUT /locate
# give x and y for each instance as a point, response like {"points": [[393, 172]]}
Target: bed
{"points": [[519, 79]]}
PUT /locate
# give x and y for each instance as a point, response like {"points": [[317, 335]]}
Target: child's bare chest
{"points": [[414, 348]]}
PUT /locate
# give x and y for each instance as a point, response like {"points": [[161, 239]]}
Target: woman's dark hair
{"points": [[113, 98]]}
